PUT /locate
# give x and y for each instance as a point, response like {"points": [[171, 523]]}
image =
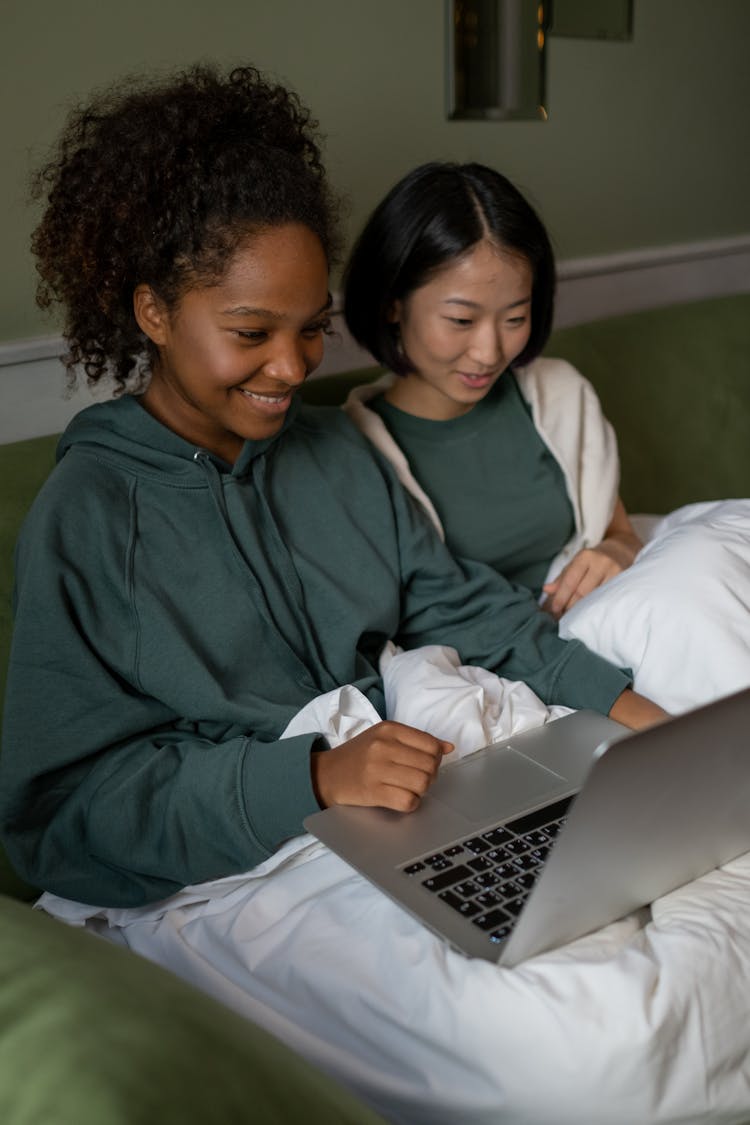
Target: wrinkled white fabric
{"points": [[643, 1023], [430, 689]]}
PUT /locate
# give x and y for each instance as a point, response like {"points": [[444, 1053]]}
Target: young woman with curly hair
{"points": [[208, 555]]}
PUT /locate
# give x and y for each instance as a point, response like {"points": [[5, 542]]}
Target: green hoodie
{"points": [[174, 612]]}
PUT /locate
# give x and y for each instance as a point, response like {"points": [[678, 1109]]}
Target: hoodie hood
{"points": [[122, 432]]}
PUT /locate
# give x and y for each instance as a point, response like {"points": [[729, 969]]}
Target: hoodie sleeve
{"points": [[106, 796], [491, 622]]}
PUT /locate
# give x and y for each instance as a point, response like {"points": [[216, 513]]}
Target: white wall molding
{"points": [[593, 288], [34, 399]]}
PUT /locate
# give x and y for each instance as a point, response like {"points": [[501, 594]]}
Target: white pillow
{"points": [[680, 616]]}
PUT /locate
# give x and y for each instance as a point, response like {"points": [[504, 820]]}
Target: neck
{"points": [[413, 396]]}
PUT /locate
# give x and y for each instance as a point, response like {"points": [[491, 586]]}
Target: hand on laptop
{"points": [[635, 711], [390, 765]]}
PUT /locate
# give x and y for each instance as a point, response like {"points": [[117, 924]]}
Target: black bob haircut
{"points": [[432, 216]]}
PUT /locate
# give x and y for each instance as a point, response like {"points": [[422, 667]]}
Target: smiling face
{"points": [[461, 330], [232, 355]]}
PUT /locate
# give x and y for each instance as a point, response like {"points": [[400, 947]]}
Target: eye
{"points": [[252, 335], [312, 330], [516, 321], [460, 321]]}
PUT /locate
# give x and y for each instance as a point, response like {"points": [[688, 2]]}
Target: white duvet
{"points": [[646, 1021]]}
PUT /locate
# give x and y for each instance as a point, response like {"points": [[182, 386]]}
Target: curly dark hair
{"points": [[157, 182]]}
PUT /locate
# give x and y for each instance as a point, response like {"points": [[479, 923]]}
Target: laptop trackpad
{"points": [[496, 785]]}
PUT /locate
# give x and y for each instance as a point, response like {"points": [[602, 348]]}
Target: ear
{"points": [[151, 314]]}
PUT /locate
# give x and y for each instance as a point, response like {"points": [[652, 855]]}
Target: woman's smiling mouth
{"points": [[475, 381], [270, 402]]}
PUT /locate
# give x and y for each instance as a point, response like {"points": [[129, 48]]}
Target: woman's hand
{"points": [[594, 566], [390, 765], [635, 711]]}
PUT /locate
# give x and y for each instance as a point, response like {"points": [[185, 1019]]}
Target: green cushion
{"points": [[11, 885], [24, 466], [91, 1034], [331, 390], [675, 383]]}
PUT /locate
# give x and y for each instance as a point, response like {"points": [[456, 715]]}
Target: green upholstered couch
{"points": [[91, 1033]]}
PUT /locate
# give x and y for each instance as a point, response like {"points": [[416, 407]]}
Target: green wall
{"points": [[646, 142]]}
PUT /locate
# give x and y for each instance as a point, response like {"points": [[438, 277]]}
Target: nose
{"points": [[291, 362], [486, 346]]}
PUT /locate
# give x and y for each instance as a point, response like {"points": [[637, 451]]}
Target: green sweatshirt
{"points": [[499, 492], [174, 612]]}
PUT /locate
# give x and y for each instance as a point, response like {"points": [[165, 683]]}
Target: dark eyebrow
{"points": [[246, 310], [475, 305]]}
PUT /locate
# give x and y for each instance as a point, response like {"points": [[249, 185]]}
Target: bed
{"points": [[644, 1022]]}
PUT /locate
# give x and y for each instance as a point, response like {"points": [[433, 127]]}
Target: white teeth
{"points": [[264, 398]]}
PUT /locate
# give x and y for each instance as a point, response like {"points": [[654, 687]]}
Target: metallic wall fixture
{"points": [[495, 51], [495, 59]]}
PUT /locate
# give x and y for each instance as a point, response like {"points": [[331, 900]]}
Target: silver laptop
{"points": [[555, 832]]}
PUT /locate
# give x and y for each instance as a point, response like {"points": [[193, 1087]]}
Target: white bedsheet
{"points": [[646, 1021]]}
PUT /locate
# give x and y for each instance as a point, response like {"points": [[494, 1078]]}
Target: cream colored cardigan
{"points": [[568, 416]]}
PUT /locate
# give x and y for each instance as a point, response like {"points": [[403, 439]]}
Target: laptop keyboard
{"points": [[487, 877]]}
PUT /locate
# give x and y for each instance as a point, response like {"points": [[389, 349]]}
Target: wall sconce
{"points": [[496, 59], [495, 51]]}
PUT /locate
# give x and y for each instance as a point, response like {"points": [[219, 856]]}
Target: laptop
{"points": [[553, 833]]}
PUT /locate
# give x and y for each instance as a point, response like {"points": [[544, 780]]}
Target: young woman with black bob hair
{"points": [[209, 555], [451, 287]]}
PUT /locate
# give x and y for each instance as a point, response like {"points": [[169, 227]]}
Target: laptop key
{"points": [[491, 920], [476, 845], [500, 935], [541, 818], [467, 889], [498, 855], [486, 879], [525, 881], [440, 864], [525, 863], [487, 899], [554, 828], [497, 836], [515, 907], [445, 879], [463, 905], [508, 889], [480, 863], [413, 868]]}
